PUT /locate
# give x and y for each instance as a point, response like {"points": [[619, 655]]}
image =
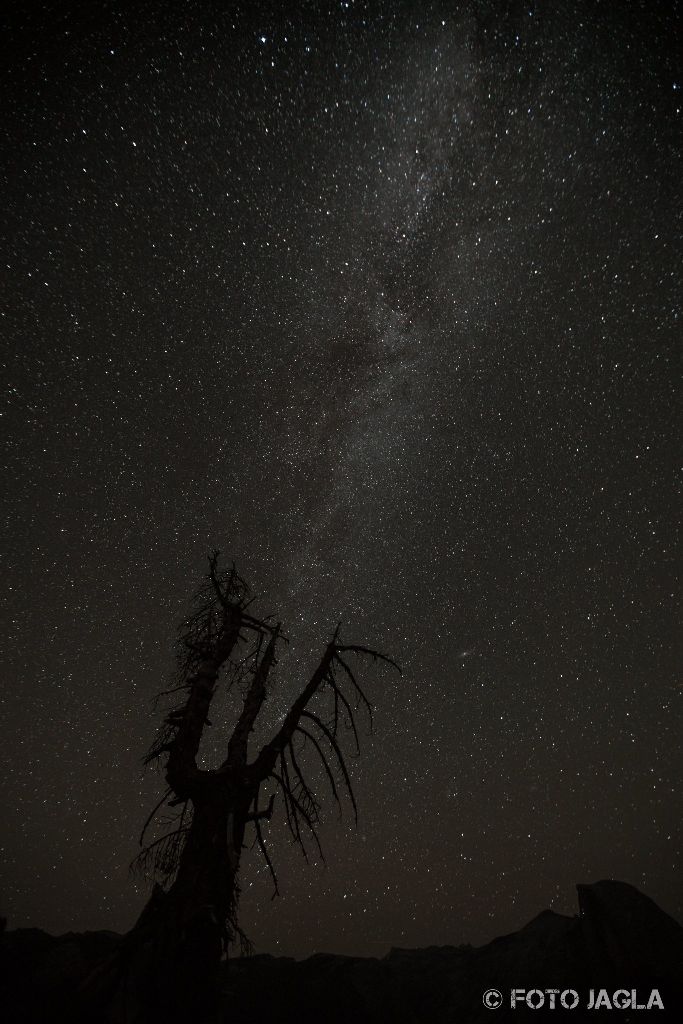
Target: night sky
{"points": [[381, 299]]}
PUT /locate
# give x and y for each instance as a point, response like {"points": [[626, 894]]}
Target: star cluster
{"points": [[381, 299]]}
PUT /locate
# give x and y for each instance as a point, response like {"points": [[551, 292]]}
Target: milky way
{"points": [[381, 299]]}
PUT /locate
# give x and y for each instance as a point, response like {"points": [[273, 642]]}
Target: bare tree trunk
{"points": [[187, 933], [167, 967]]}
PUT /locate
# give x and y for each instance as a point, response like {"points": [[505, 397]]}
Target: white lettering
{"points": [[537, 994], [598, 999], [515, 994], [621, 999], [570, 993]]}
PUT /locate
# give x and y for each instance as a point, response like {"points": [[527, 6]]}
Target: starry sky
{"points": [[380, 299]]}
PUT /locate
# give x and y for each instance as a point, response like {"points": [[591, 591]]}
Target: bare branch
{"points": [[253, 702], [305, 789], [339, 696], [333, 786], [284, 770], [298, 810], [375, 655], [149, 819], [257, 815], [361, 696], [218, 590], [285, 794], [333, 743], [266, 760], [266, 857]]}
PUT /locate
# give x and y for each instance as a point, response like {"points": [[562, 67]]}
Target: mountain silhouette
{"points": [[619, 941]]}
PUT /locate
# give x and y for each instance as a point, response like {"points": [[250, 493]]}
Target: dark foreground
{"points": [[620, 940]]}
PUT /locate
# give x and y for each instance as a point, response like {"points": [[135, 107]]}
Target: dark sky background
{"points": [[382, 300]]}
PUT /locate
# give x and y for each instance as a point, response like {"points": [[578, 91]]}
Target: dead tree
{"points": [[173, 952]]}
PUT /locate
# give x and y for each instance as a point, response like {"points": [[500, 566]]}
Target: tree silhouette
{"points": [[171, 956]]}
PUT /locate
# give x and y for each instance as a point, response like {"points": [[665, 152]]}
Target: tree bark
{"points": [[193, 914], [168, 968]]}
